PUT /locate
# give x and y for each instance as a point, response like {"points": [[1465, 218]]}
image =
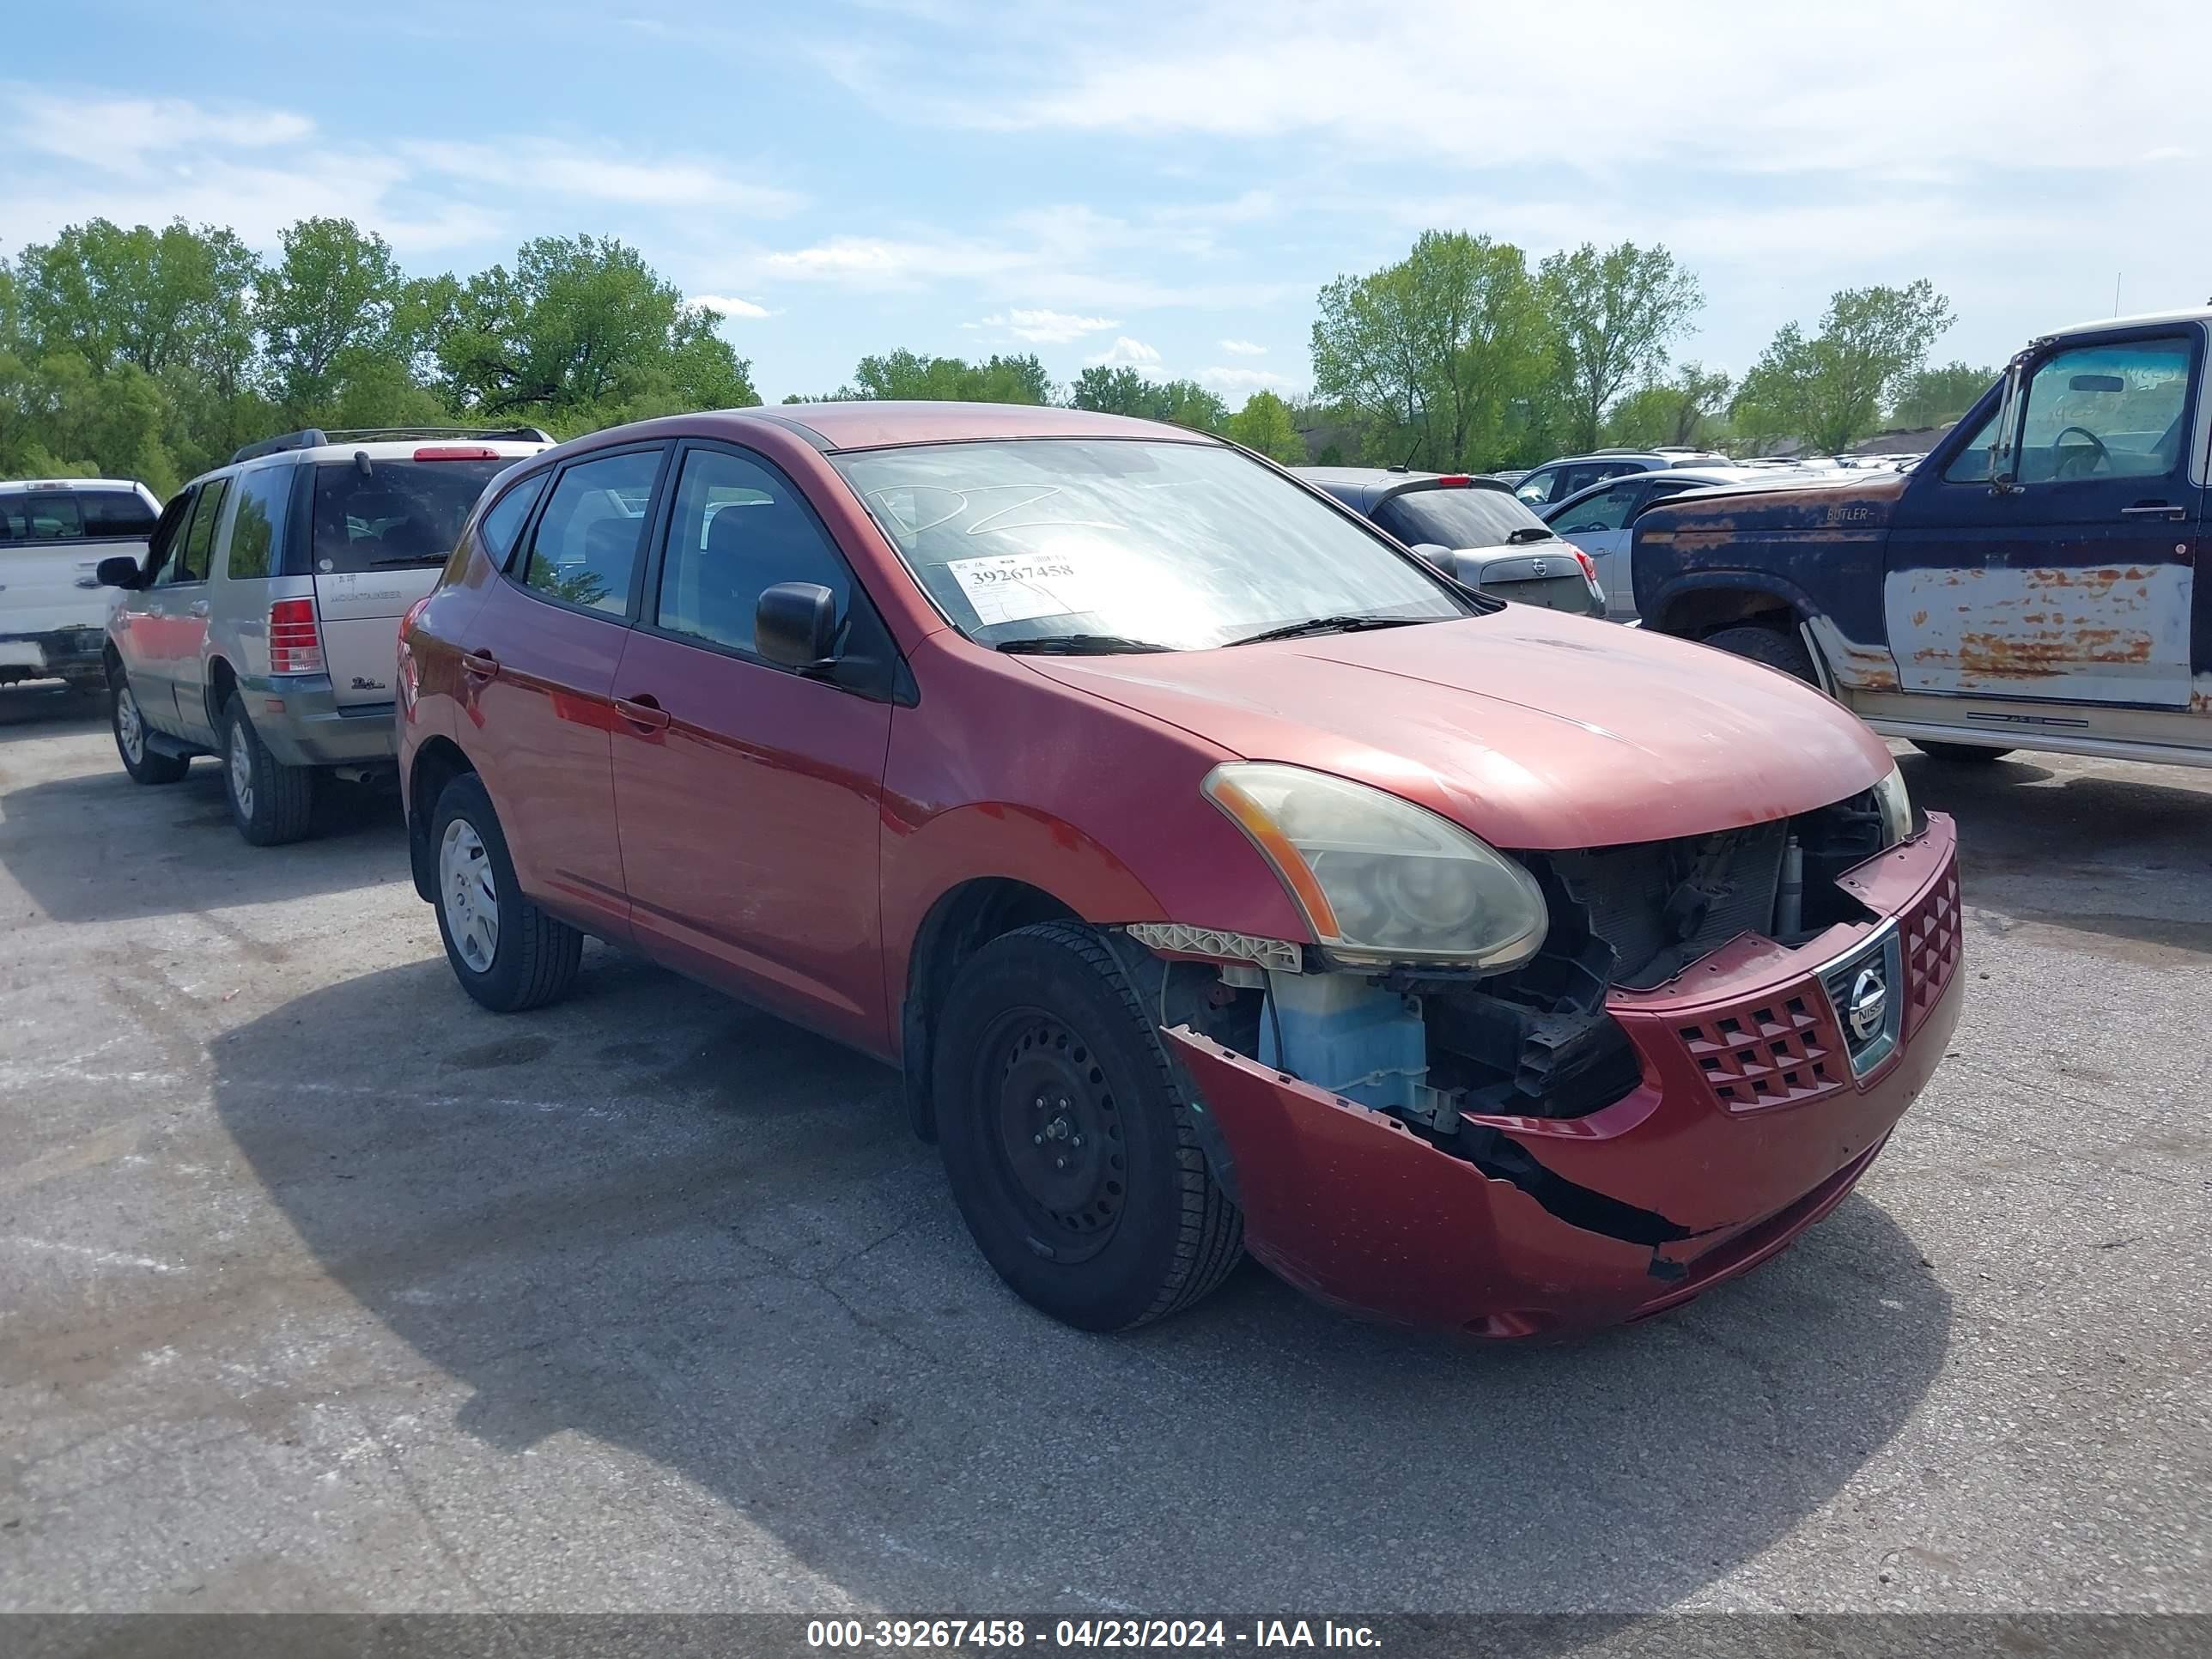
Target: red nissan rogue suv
{"points": [[1220, 874]]}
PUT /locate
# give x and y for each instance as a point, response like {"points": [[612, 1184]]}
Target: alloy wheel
{"points": [[241, 768], [128, 726]]}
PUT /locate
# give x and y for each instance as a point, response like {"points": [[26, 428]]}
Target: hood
{"points": [[1846, 501], [1531, 728]]}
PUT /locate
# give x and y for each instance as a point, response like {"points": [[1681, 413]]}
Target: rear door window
{"points": [[40, 516], [256, 528], [397, 514], [584, 551]]}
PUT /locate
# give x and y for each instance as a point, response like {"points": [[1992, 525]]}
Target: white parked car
{"points": [[53, 534]]}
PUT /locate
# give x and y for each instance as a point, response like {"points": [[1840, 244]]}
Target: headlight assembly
{"points": [[1896, 808], [1379, 879]]}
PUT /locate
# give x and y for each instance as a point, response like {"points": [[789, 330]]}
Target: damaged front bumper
{"points": [[1757, 1110]]}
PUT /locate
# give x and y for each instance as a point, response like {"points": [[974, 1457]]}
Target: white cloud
{"points": [[1043, 327], [118, 134], [1243, 381], [541, 167], [1243, 348], [1126, 353], [729, 306]]}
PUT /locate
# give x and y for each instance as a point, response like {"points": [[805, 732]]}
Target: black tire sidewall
{"points": [[1755, 642], [1121, 1285], [501, 987], [283, 795]]}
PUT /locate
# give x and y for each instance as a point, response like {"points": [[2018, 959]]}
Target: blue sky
{"points": [[1160, 185]]}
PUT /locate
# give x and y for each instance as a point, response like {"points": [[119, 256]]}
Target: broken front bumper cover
{"points": [[1749, 1124]]}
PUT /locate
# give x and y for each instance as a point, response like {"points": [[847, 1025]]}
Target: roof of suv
{"points": [[391, 442]]}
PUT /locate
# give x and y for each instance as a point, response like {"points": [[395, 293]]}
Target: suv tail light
{"points": [[295, 642], [1588, 565]]}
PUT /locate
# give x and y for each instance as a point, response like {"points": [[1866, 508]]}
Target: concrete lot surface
{"points": [[320, 1288]]}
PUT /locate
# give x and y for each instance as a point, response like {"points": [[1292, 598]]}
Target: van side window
{"points": [[256, 528], [188, 558]]}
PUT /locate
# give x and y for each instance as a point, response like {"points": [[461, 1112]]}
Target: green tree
{"points": [[1614, 314], [1435, 349], [906, 374], [1829, 390], [1265, 423], [1688, 409], [326, 312], [170, 299], [1122, 390], [581, 331], [1930, 396]]}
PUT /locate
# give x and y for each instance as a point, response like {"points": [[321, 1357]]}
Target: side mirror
{"points": [[795, 626], [1434, 553], [121, 571]]}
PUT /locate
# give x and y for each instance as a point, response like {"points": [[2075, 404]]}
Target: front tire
{"points": [[507, 954], [1068, 1139], [271, 803], [1771, 646], [1973, 753], [133, 737]]}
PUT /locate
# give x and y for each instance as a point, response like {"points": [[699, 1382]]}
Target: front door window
{"points": [[2106, 412]]}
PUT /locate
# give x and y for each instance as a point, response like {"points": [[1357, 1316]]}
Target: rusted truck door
{"points": [[2076, 584]]}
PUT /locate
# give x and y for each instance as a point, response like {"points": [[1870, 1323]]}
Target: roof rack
{"points": [[313, 437]]}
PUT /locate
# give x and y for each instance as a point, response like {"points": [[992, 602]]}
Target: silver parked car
{"points": [[1598, 518], [263, 625], [1556, 480]]}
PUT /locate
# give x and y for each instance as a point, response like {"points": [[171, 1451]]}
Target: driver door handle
{"points": [[198, 608], [2154, 510], [642, 712]]}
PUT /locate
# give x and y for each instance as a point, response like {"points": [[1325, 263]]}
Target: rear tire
{"points": [[507, 954], [271, 803], [1971, 752], [1771, 646], [133, 737], [1068, 1138]]}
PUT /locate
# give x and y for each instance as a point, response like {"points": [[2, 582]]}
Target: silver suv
{"points": [[263, 625]]}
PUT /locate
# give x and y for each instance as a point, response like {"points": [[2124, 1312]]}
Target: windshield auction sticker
{"points": [[1008, 588]]}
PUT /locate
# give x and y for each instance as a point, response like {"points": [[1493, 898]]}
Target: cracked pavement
{"points": [[322, 1289]]}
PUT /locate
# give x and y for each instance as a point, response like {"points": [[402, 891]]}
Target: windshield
{"points": [[1174, 545], [1457, 518], [401, 513]]}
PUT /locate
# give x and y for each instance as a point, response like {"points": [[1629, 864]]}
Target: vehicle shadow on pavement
{"points": [[98, 848], [46, 709], [681, 1229]]}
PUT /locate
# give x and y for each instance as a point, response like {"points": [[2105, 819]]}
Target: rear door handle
{"points": [[480, 665], [643, 712], [2153, 510]]}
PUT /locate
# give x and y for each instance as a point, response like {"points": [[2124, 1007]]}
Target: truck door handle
{"points": [[480, 665], [643, 712], [196, 608], [2153, 510], [88, 581]]}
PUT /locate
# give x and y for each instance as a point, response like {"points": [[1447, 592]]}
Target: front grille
{"points": [[1663, 905], [1775, 1051], [1931, 933]]}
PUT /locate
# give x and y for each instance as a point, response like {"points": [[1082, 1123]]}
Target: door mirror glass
{"points": [[120, 571], [796, 625]]}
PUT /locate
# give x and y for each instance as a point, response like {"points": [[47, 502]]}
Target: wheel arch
{"points": [[1692, 608], [222, 683], [438, 761], [961, 920]]}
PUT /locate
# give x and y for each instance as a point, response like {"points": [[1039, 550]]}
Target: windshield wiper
{"points": [[1531, 532], [1312, 625], [1077, 644], [412, 558]]}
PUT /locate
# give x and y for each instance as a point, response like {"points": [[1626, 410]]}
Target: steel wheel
{"points": [[128, 726], [1062, 1160], [470, 895]]}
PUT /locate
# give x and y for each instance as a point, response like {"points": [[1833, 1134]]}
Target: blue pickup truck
{"points": [[2030, 585]]}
